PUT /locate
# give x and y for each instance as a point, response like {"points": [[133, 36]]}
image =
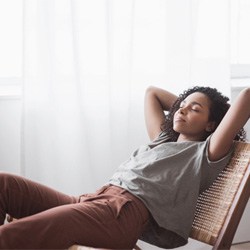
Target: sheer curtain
{"points": [[87, 64]]}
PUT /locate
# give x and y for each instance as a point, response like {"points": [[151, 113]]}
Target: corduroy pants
{"points": [[47, 219]]}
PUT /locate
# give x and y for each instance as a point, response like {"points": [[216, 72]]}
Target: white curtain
{"points": [[87, 64]]}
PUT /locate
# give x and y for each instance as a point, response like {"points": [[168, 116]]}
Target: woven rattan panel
{"points": [[214, 204]]}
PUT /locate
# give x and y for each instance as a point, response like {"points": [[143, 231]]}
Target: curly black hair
{"points": [[219, 107]]}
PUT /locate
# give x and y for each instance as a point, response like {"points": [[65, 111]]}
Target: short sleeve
{"points": [[221, 162]]}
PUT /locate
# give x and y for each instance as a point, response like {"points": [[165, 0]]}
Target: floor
{"points": [[244, 246]]}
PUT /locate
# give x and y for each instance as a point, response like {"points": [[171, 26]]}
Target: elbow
{"points": [[150, 89], [245, 97], [246, 92], [151, 92]]}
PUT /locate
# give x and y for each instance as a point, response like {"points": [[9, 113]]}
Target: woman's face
{"points": [[191, 120]]}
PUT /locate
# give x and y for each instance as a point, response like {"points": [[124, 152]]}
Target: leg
{"points": [[20, 197], [104, 221]]}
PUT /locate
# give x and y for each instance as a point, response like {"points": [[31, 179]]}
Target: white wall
{"points": [[10, 115], [10, 142]]}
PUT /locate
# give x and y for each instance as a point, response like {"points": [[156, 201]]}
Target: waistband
{"points": [[116, 190]]}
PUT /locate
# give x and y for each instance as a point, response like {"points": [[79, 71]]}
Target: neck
{"points": [[183, 138]]}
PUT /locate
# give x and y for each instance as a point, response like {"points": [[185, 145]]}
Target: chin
{"points": [[177, 130]]}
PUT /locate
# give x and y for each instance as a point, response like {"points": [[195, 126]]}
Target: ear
{"points": [[210, 126]]}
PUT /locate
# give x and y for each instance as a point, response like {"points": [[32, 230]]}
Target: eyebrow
{"points": [[194, 103]]}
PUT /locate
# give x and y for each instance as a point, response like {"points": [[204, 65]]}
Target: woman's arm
{"points": [[156, 102], [236, 117]]}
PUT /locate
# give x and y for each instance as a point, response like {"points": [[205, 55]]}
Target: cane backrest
{"points": [[219, 208]]}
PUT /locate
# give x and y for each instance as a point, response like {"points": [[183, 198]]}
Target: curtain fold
{"points": [[87, 64]]}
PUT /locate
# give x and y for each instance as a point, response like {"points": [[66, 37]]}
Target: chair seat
{"points": [[78, 247]]}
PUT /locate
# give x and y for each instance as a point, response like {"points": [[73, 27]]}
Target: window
{"points": [[11, 44], [240, 41], [11, 47]]}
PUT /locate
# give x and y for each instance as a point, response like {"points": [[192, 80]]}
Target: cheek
{"points": [[200, 122]]}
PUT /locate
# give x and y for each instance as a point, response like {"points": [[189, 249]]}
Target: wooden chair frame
{"points": [[234, 183]]}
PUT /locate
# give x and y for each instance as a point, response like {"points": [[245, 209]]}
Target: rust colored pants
{"points": [[47, 219]]}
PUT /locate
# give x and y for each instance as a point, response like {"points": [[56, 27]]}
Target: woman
{"points": [[152, 195]]}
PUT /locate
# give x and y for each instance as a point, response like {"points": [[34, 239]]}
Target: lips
{"points": [[179, 119]]}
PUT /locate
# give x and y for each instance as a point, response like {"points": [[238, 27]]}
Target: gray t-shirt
{"points": [[168, 177]]}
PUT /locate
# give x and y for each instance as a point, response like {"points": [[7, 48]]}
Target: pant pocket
{"points": [[116, 205]]}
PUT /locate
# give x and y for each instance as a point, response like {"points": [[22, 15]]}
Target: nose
{"points": [[182, 110]]}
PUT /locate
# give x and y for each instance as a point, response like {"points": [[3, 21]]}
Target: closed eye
{"points": [[194, 106], [195, 110]]}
